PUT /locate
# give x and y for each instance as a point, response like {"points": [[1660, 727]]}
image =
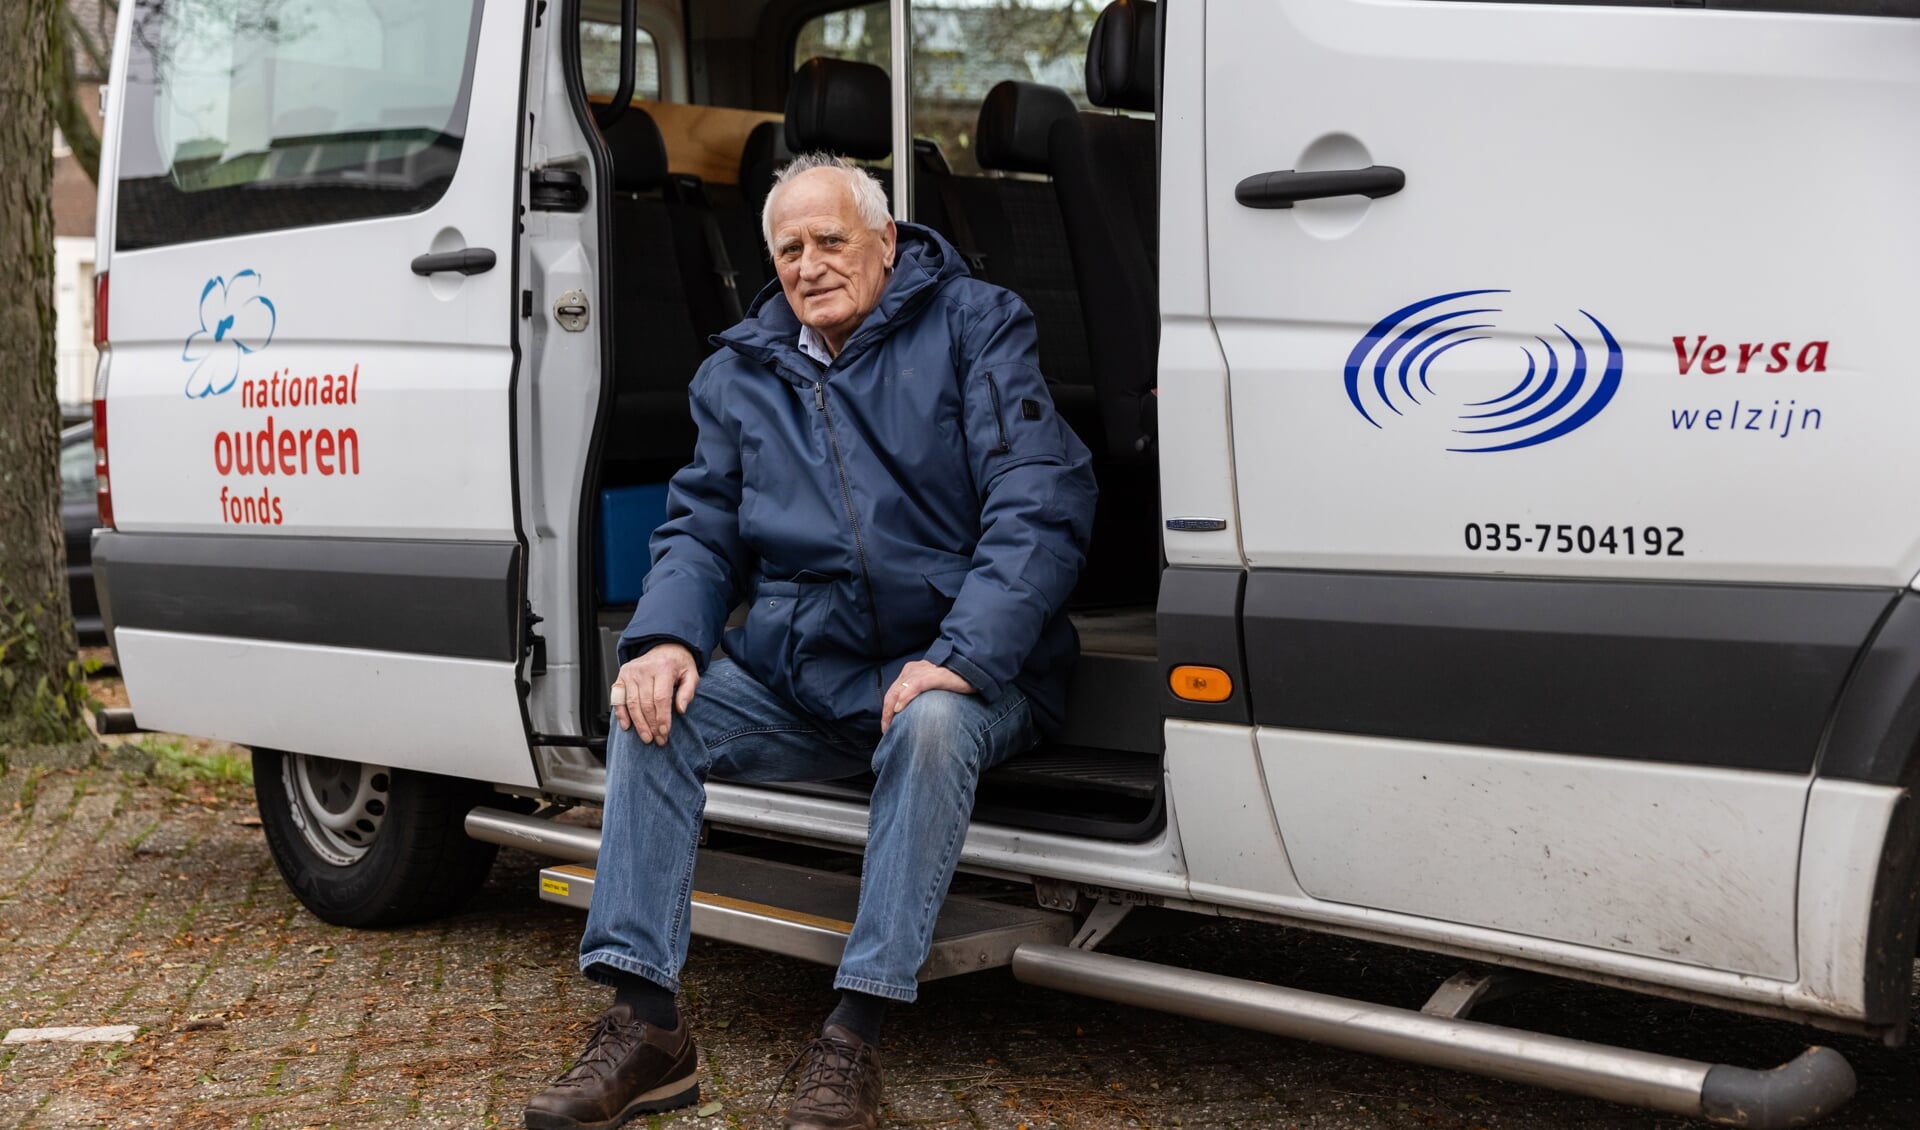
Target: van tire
{"points": [[420, 866]]}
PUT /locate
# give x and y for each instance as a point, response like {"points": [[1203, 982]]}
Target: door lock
{"points": [[570, 310]]}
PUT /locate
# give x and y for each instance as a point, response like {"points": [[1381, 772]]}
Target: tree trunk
{"points": [[40, 687]]}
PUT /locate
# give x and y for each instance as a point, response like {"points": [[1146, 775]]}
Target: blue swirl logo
{"points": [[1388, 373]]}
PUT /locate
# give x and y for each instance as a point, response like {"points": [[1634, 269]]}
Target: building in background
{"points": [[73, 218]]}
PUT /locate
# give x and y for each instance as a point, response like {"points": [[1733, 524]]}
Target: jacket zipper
{"points": [[1000, 424], [846, 498]]}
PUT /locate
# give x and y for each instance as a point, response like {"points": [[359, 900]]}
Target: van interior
{"points": [[1035, 155]]}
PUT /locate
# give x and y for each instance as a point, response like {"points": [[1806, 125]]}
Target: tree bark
{"points": [[38, 701]]}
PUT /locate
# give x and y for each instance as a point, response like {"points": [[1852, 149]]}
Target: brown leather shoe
{"points": [[630, 1068], [839, 1086]]}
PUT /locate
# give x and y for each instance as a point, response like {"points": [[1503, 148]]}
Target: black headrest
{"points": [[760, 158], [765, 150], [639, 152], [1120, 56], [1014, 121], [842, 107]]}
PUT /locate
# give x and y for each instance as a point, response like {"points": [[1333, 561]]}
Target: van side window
{"points": [[245, 118], [859, 34], [600, 61], [961, 49]]}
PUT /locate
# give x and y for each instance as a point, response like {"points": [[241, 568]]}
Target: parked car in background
{"points": [[79, 514]]}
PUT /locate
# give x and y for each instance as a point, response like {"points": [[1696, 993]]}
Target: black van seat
{"points": [[1103, 167], [842, 107], [1022, 239], [761, 159], [846, 108], [658, 342]]}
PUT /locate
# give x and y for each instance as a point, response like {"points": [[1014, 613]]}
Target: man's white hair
{"points": [[868, 196]]}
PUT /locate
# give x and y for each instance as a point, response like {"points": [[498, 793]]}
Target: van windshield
{"points": [[250, 115]]}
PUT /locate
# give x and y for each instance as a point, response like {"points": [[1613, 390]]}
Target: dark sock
{"points": [[649, 1002], [861, 1014]]}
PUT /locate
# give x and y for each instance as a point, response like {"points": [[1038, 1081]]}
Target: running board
{"points": [[1815, 1083], [808, 914]]}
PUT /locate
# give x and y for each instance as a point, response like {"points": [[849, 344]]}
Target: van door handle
{"points": [[467, 261], [1284, 188]]}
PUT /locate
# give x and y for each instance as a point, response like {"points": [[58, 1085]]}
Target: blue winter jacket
{"points": [[917, 499]]}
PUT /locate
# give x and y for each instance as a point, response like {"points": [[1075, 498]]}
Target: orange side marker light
{"points": [[1201, 684]]}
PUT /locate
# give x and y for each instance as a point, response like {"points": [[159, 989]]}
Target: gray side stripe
{"points": [[451, 598], [1737, 676]]}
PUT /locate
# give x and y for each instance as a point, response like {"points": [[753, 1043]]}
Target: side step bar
{"points": [[531, 833], [780, 908], [1815, 1083]]}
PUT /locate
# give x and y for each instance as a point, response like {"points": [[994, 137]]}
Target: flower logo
{"points": [[235, 320]]}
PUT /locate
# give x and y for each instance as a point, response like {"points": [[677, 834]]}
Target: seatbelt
{"points": [[692, 192], [962, 229]]}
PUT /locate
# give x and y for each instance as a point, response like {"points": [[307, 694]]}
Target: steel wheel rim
{"points": [[338, 805]]}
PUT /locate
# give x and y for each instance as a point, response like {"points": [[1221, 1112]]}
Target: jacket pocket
{"points": [[796, 635], [947, 582], [767, 635]]}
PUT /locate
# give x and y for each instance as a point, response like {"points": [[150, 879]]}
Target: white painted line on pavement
{"points": [[106, 1034]]}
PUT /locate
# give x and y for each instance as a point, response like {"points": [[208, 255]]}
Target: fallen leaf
{"points": [[709, 1110]]}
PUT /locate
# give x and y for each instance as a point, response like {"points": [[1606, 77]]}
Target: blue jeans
{"points": [[927, 767]]}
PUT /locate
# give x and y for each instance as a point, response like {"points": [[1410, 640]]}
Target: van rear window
{"points": [[250, 117]]}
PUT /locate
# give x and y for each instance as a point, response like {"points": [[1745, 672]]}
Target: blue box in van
{"points": [[628, 516]]}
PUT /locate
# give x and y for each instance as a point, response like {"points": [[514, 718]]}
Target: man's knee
{"points": [[626, 747], [939, 727]]}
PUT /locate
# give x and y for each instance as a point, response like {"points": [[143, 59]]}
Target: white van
{"points": [[1498, 410]]}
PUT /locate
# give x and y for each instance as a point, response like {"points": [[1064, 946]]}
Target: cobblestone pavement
{"points": [[150, 899]]}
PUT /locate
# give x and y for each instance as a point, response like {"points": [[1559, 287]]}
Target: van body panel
{"points": [[404, 711], [565, 252], [1848, 823], [1672, 862], [1697, 210], [1195, 428], [1216, 770], [420, 449], [303, 382], [1608, 329], [402, 379]]}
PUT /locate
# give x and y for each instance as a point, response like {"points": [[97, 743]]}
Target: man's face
{"points": [[831, 265]]}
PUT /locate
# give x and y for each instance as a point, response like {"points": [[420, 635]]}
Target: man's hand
{"points": [[652, 688], [916, 678]]}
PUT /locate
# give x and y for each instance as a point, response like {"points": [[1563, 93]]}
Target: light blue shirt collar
{"points": [[815, 346]]}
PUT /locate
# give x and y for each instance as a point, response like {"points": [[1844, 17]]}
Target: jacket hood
{"points": [[923, 263]]}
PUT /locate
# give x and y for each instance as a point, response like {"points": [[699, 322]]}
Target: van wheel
{"points": [[364, 845]]}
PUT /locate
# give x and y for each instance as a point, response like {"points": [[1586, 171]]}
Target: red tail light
{"points": [[100, 482], [102, 486], [100, 310]]}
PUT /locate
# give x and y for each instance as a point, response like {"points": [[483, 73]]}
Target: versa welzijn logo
{"points": [[1564, 378]]}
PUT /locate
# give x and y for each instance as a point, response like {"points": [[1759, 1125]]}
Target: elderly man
{"points": [[881, 476]]}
